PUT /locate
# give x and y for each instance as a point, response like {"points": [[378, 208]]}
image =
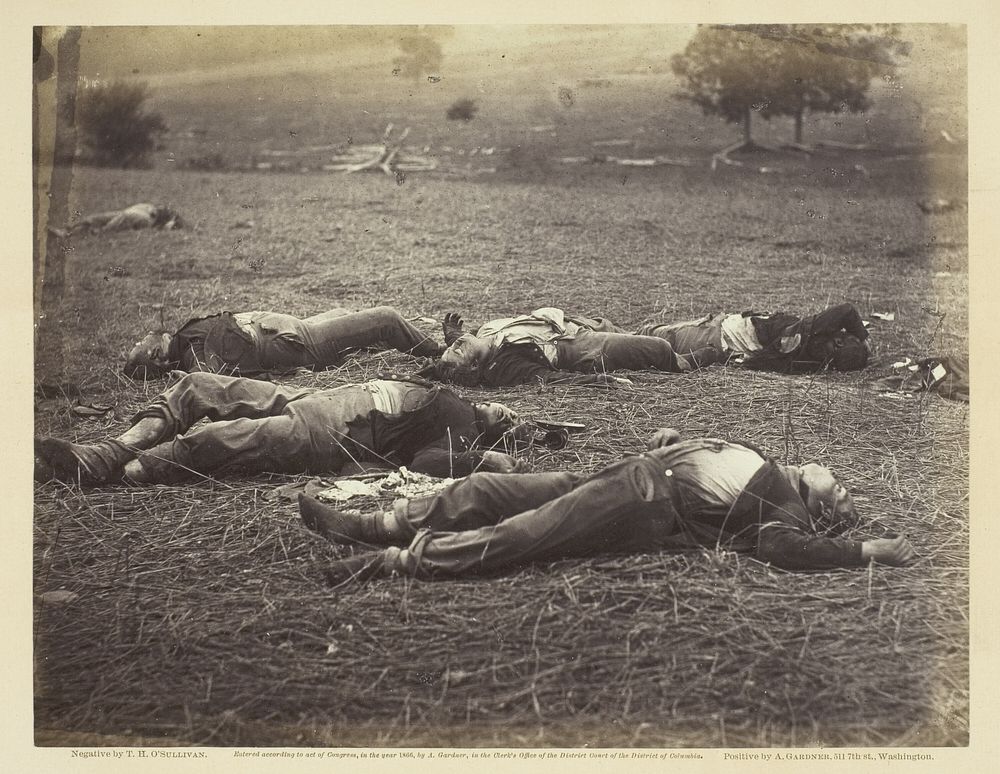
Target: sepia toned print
{"points": [[645, 174]]}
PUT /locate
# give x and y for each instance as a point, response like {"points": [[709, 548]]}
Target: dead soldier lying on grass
{"points": [[691, 494], [264, 343], [836, 337], [259, 427], [552, 347], [137, 216]]}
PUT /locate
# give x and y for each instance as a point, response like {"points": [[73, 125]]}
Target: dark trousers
{"points": [[597, 351], [255, 427], [489, 521], [687, 336], [322, 340]]}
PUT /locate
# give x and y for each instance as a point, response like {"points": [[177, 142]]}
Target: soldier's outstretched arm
{"points": [[895, 551]]}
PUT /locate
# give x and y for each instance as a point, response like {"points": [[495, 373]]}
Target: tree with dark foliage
{"points": [[729, 72], [829, 68], [784, 70]]}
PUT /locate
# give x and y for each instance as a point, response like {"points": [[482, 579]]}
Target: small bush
{"points": [[463, 110], [115, 129]]}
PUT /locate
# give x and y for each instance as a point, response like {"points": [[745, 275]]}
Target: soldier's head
{"points": [[496, 419], [164, 217], [467, 351], [827, 499], [148, 358], [462, 362], [843, 351]]}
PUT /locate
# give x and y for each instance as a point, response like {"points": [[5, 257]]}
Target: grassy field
{"points": [[197, 615], [200, 616]]}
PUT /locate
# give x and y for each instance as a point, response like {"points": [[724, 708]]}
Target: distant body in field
{"points": [[135, 217]]}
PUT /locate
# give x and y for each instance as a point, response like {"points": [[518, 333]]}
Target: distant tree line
{"points": [[785, 70]]}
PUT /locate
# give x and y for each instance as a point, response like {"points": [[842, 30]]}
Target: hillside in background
{"points": [[237, 92]]}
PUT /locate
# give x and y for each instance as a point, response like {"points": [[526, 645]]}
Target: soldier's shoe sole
{"points": [[334, 525]]}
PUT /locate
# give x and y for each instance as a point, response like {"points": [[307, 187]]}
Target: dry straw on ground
{"points": [[205, 610], [198, 614]]}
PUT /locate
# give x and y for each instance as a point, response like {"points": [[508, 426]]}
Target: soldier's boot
{"points": [[85, 464], [347, 528]]}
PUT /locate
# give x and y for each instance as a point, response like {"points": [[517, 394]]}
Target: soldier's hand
{"points": [[894, 551], [621, 380], [665, 436], [498, 462], [453, 327]]}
